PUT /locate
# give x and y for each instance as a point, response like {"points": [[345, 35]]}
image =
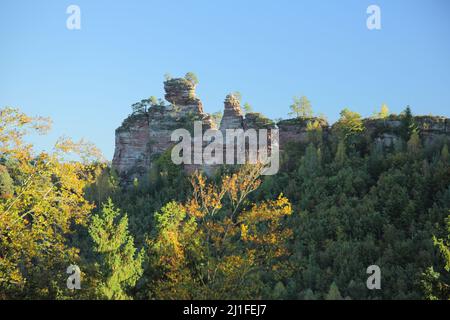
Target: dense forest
{"points": [[338, 205]]}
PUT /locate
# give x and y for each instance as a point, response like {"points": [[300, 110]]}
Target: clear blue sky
{"points": [[86, 80]]}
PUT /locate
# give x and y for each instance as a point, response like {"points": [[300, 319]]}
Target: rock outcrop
{"points": [[132, 144], [144, 136], [433, 128], [254, 120], [387, 132], [300, 130], [181, 93], [233, 117]]}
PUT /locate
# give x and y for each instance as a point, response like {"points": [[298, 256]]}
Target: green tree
{"points": [[6, 183], [177, 238], [217, 246], [106, 184], [314, 131], [414, 143], [333, 293], [435, 284], [192, 78], [408, 124], [444, 246], [341, 154], [310, 162], [279, 291], [49, 206], [349, 124], [139, 107], [217, 117], [308, 295], [248, 108], [153, 101], [119, 267], [301, 107], [445, 153]]}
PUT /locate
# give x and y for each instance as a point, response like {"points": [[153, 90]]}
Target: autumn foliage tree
{"points": [[217, 245], [48, 200]]}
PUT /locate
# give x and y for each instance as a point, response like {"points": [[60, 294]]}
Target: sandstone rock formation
{"points": [[144, 136], [296, 130], [132, 144], [233, 117], [181, 92], [387, 132], [433, 128]]}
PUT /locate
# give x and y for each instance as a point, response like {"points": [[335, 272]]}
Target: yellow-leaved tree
{"points": [[45, 205], [218, 245]]}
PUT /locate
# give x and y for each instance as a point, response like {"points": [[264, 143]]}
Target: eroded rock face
{"points": [[143, 137], [181, 93], [387, 132], [256, 120], [387, 140], [432, 128], [233, 117], [132, 144], [296, 130]]}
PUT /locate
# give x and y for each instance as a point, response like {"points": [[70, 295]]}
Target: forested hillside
{"points": [[341, 202]]}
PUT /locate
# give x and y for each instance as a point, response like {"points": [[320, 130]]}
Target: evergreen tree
{"points": [[445, 153], [341, 155], [435, 284], [444, 246], [309, 295], [6, 183], [119, 266], [279, 291], [310, 162], [333, 293], [408, 124], [414, 143]]}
